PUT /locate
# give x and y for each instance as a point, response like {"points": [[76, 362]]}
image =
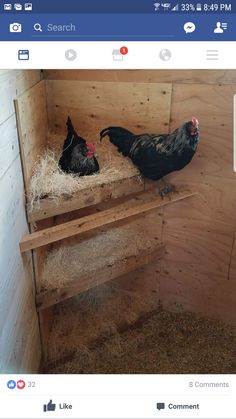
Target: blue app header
{"points": [[122, 27]]}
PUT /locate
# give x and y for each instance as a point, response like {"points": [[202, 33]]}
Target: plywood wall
{"points": [[198, 271], [32, 118], [130, 104], [19, 332]]}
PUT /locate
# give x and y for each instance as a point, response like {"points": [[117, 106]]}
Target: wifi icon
{"points": [[157, 6]]}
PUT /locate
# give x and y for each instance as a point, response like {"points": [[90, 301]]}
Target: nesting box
{"points": [[104, 229]]}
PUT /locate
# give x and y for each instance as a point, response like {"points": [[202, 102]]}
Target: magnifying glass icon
{"points": [[38, 27]]}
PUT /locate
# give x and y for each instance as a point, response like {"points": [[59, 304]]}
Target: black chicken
{"points": [[156, 155], [78, 155]]}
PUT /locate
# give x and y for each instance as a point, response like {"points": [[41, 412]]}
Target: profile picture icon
{"points": [[218, 28]]}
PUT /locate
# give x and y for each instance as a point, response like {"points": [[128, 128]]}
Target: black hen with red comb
{"points": [[156, 155], [78, 155]]}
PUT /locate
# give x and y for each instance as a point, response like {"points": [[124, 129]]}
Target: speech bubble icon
{"points": [[189, 27], [160, 406]]}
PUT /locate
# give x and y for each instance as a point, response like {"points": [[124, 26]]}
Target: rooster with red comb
{"points": [[156, 155], [78, 156]]}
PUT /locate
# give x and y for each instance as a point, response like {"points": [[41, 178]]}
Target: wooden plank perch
{"points": [[72, 228], [105, 274]]}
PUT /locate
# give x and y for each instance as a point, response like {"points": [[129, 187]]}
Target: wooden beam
{"points": [[107, 273], [73, 228]]}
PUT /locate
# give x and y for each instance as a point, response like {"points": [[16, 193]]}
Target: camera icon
{"points": [[15, 27]]}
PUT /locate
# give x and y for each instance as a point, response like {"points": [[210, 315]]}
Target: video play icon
{"points": [[71, 55]]}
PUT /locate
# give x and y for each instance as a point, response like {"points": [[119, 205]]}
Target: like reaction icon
{"points": [[11, 384], [50, 407]]}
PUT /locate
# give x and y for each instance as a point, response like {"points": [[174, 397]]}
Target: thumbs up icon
{"points": [[50, 407]]}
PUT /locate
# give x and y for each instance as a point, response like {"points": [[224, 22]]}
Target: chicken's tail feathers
{"points": [[114, 131], [122, 138], [104, 132], [70, 127]]}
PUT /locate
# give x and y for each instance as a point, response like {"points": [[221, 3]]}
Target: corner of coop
{"points": [[109, 231]]}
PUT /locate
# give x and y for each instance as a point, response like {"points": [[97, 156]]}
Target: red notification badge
{"points": [[124, 50]]}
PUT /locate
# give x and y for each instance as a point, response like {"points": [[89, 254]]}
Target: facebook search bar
{"points": [[50, 27]]}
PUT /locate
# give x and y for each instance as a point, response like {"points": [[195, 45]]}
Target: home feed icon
{"points": [[23, 55]]}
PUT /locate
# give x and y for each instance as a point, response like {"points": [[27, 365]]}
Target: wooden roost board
{"points": [[131, 208]]}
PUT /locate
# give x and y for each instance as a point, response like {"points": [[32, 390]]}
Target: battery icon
{"points": [[199, 7]]}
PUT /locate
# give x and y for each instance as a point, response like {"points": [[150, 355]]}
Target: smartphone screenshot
{"points": [[117, 209]]}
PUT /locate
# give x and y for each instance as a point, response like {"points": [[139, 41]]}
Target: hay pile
{"points": [[48, 180], [68, 263], [166, 343], [84, 320]]}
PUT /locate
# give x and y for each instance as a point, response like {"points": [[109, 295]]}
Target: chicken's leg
{"points": [[167, 189]]}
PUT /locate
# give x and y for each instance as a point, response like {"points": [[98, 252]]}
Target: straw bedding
{"points": [[166, 343], [48, 180], [87, 256], [97, 314]]}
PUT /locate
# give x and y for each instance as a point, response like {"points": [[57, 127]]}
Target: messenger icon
{"points": [[189, 27]]}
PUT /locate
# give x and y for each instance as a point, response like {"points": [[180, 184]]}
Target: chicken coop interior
{"points": [[104, 275]]}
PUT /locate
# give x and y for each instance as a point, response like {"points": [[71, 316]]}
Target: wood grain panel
{"points": [[186, 289], [199, 238], [219, 193], [147, 76], [13, 83], [195, 270], [92, 106], [19, 333], [32, 126], [213, 106], [17, 309], [192, 236], [9, 146]]}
